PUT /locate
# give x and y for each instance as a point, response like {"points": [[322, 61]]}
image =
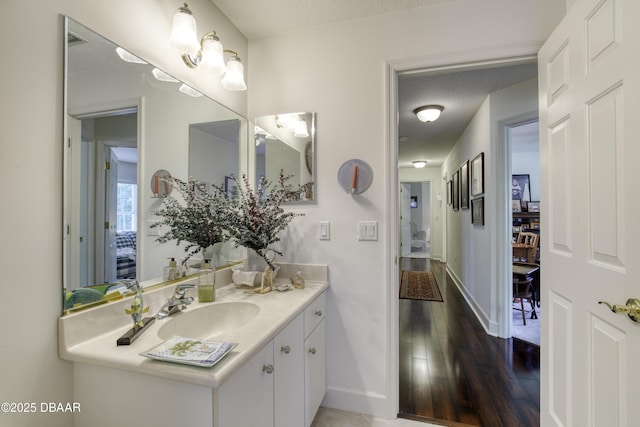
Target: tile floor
{"points": [[327, 417]]}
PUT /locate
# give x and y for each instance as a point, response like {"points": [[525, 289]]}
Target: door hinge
{"points": [[107, 165], [106, 225]]}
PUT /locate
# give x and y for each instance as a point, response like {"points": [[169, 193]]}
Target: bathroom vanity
{"points": [[275, 376]]}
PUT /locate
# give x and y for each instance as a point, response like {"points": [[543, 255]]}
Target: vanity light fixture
{"points": [[419, 163], [127, 56], [162, 76], [428, 113], [208, 53], [188, 90]]}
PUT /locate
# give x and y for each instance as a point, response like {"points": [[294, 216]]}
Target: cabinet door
{"points": [[288, 358], [315, 372], [246, 399]]}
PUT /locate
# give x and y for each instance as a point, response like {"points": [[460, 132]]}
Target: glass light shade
{"points": [[188, 90], [420, 163], [212, 56], [184, 32], [162, 76], [300, 130], [128, 57], [428, 113], [234, 77]]}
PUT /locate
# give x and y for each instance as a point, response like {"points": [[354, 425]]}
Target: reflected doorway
{"points": [[104, 197]]}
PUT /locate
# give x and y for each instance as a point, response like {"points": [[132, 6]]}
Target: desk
{"points": [[529, 271]]}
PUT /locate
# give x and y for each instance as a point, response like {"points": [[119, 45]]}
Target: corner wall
{"points": [[31, 36], [338, 71]]}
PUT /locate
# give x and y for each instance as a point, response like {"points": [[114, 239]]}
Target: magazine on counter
{"points": [[190, 351]]}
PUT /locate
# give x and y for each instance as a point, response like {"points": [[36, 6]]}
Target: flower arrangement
{"points": [[253, 219], [197, 217], [256, 218]]}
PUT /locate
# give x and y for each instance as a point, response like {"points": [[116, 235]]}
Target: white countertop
{"points": [[90, 336]]}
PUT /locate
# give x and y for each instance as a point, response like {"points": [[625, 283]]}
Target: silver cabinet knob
{"points": [[286, 349], [268, 369], [319, 313], [312, 350]]}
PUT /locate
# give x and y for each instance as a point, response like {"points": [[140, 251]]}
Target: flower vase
{"points": [[255, 263]]}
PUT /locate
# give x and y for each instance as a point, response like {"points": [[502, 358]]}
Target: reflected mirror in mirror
{"points": [[287, 142], [125, 120]]}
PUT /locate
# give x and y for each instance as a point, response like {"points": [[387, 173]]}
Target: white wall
{"points": [[338, 71], [31, 168], [471, 248]]}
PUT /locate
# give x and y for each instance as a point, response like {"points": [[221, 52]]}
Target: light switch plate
{"points": [[153, 231], [324, 230], [368, 230]]}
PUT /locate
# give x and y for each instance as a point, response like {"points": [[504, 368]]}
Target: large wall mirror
{"points": [[126, 119], [287, 142]]}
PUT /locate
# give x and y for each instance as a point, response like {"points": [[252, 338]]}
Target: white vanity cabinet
{"points": [[315, 357], [269, 389], [282, 385]]}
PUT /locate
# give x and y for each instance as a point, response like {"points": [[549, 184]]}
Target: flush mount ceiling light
{"points": [[428, 113], [419, 163], [208, 54]]}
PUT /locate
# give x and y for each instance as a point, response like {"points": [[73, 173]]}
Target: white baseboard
{"points": [[359, 401], [489, 327]]}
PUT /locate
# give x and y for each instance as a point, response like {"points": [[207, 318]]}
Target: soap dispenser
{"points": [[171, 271], [206, 283]]}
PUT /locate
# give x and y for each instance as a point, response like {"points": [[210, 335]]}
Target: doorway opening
{"points": [[416, 219], [104, 209], [493, 183], [523, 140]]}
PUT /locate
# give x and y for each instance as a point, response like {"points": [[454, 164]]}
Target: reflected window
{"points": [[127, 207]]}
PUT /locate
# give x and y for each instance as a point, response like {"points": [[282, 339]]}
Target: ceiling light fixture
{"points": [[419, 163], [428, 113], [208, 53]]}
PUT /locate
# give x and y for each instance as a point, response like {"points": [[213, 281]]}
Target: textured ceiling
{"points": [[265, 18], [461, 93]]}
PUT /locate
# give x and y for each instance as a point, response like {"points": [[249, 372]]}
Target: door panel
{"points": [[589, 79]]}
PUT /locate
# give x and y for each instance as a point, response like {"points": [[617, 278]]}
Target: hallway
{"points": [[453, 373]]}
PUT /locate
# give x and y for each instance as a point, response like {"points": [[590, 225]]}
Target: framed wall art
{"points": [[456, 190], [464, 185], [477, 211], [520, 187], [477, 175]]}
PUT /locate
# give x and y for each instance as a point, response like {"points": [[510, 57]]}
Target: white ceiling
{"points": [[461, 93], [265, 18]]}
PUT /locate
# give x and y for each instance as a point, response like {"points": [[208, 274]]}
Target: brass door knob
{"points": [[631, 308]]}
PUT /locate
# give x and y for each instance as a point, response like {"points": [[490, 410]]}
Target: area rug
{"points": [[419, 285]]}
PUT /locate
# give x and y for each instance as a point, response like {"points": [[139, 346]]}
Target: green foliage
{"points": [[253, 219], [256, 218], [196, 217]]}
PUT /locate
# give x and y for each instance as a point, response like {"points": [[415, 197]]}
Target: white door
{"points": [[405, 218], [111, 216], [589, 77]]}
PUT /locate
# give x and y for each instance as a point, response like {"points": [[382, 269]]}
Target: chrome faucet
{"points": [[177, 302]]}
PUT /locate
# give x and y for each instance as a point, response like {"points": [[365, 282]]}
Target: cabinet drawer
{"points": [[314, 313]]}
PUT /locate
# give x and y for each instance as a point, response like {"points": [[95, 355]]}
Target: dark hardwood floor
{"points": [[452, 373]]}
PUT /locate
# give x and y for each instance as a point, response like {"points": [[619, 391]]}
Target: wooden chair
{"points": [[527, 238], [523, 290]]}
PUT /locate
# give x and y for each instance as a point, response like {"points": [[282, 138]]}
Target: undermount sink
{"points": [[210, 320]]}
